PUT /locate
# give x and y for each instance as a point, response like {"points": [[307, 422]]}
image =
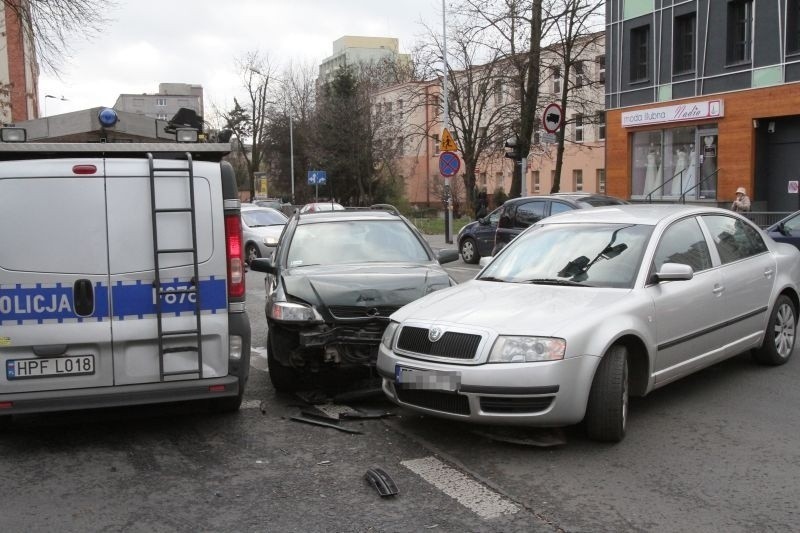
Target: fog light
{"points": [[235, 347]]}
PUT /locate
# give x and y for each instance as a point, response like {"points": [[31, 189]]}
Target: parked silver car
{"points": [[584, 309], [261, 228]]}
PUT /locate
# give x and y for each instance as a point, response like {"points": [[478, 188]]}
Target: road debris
{"points": [[379, 479]]}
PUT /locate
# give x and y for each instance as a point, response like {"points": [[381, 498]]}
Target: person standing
{"points": [[742, 202]]}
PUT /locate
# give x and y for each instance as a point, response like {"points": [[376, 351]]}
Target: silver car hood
{"points": [[512, 308]]}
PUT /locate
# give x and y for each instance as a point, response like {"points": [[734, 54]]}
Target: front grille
{"points": [[367, 333], [350, 311], [452, 344], [497, 404], [446, 402]]}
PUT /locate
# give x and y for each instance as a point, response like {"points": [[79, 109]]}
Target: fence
{"points": [[766, 218]]}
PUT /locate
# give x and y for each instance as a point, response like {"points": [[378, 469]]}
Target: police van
{"points": [[121, 275]]}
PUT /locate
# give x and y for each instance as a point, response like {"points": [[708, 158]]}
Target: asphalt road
{"points": [[717, 451]]}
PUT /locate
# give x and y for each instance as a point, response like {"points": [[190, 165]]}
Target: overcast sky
{"points": [[196, 41]]}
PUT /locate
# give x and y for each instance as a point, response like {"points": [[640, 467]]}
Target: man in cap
{"points": [[742, 202]]}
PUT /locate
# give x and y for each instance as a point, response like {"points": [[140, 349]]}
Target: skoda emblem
{"points": [[435, 333]]}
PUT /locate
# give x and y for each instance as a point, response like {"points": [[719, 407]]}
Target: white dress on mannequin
{"points": [[679, 179], [651, 178], [691, 173]]}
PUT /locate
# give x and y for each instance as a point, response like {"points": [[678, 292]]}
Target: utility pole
{"points": [[291, 157], [448, 221]]}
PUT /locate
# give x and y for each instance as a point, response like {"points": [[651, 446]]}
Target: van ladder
{"points": [[176, 172]]}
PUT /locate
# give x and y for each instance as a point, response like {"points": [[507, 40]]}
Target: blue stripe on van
{"points": [[134, 300]]}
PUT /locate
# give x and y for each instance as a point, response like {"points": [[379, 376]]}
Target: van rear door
{"points": [[132, 272], [55, 331]]}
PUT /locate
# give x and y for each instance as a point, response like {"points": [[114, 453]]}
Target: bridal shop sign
{"points": [[673, 113]]}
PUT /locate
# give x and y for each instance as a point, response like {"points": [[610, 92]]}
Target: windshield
{"points": [[355, 241], [595, 255], [263, 217]]}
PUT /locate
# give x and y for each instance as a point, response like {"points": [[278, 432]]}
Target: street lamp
{"points": [[51, 96]]}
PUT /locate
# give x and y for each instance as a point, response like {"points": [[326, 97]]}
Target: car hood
{"points": [[364, 285], [513, 308]]}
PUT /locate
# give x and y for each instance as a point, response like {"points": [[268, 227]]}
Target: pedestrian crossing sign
{"points": [[448, 144]]}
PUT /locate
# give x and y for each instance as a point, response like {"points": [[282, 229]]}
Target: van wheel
{"points": [[251, 252], [607, 412], [283, 378], [469, 251], [780, 334]]}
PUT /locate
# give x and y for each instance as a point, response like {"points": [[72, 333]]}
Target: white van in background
{"points": [[121, 276]]}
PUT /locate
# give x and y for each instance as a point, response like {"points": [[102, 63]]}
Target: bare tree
{"points": [[51, 24], [248, 120]]}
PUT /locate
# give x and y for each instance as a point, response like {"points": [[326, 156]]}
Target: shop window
{"points": [[683, 54], [792, 26], [578, 128], [577, 180], [601, 125], [536, 181], [640, 53], [740, 30], [601, 180]]}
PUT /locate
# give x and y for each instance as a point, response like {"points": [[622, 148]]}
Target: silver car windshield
{"points": [[594, 255], [355, 241]]}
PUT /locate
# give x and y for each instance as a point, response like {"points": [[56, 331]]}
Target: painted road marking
{"points": [[475, 496]]}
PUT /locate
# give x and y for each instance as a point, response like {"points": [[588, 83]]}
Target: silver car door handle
{"points": [[718, 289], [768, 272]]}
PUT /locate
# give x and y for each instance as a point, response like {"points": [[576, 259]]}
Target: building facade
{"points": [[164, 104], [19, 70], [352, 51], [702, 98]]}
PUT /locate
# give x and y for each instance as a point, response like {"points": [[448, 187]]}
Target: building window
{"points": [[556, 73], [435, 105], [740, 30], [387, 107], [483, 178], [498, 92], [401, 148], [578, 128], [640, 53], [435, 143], [161, 116], [601, 125], [400, 105], [499, 180], [536, 137], [580, 79], [577, 180], [536, 181], [684, 43], [161, 101], [601, 180], [601, 68], [793, 26]]}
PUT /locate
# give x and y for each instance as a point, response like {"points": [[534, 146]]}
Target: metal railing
{"points": [[764, 219], [649, 197], [698, 184]]}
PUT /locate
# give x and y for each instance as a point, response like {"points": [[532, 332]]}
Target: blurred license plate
{"points": [[414, 378], [39, 367]]}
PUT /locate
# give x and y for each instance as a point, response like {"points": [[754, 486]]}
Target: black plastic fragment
{"points": [[366, 414], [318, 422], [379, 479]]}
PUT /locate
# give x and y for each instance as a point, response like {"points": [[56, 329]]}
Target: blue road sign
{"points": [[317, 177], [449, 164]]}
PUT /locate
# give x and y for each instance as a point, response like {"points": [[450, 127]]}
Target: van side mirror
{"points": [[263, 264]]}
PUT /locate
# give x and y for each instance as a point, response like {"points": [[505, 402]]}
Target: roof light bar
{"points": [[186, 135], [13, 135]]}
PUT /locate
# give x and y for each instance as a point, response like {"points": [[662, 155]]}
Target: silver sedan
{"points": [[589, 307]]}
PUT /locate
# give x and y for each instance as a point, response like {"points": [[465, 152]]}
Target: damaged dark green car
{"points": [[333, 281]]}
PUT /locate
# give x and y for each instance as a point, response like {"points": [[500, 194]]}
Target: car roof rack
{"points": [[385, 207]]}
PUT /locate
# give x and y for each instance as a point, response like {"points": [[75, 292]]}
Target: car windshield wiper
{"points": [[490, 278], [554, 281], [257, 225]]}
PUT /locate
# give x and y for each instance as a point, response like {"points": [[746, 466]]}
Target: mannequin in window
{"points": [[651, 180], [690, 176], [681, 165]]}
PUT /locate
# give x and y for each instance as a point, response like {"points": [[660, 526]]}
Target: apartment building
{"points": [[702, 98], [19, 70], [165, 103], [353, 51]]}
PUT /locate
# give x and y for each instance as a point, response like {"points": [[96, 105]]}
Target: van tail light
{"points": [[234, 253]]}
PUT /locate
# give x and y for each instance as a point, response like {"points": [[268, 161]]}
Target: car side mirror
{"points": [[447, 256], [263, 264], [783, 231], [485, 260], [674, 272]]}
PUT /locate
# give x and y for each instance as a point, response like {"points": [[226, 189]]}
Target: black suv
{"points": [[332, 282], [519, 213]]}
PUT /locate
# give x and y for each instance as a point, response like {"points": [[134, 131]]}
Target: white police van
{"points": [[121, 275]]}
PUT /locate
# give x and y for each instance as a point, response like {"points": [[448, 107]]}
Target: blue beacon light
{"points": [[107, 117]]}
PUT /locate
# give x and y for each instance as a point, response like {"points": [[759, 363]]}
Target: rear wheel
{"points": [[283, 378], [469, 251], [607, 412], [251, 252], [780, 334]]}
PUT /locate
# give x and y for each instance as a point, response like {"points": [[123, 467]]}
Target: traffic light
{"points": [[513, 151]]}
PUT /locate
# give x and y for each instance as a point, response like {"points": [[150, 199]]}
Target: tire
{"points": [[469, 251], [251, 252], [283, 378], [607, 412], [780, 334]]}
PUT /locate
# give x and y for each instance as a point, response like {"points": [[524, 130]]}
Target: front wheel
{"points": [[251, 252], [779, 336], [607, 412], [469, 251]]}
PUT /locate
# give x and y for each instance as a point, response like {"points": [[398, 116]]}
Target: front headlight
{"points": [[388, 335], [292, 312], [270, 241], [527, 349]]}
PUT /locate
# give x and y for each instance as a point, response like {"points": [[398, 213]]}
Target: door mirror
{"points": [[674, 272], [782, 230], [447, 256], [485, 260], [263, 264]]}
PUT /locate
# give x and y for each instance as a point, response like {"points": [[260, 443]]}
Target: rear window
{"points": [[257, 218]]}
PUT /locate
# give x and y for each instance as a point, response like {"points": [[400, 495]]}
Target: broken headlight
{"points": [[527, 349], [388, 335], [292, 312]]}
